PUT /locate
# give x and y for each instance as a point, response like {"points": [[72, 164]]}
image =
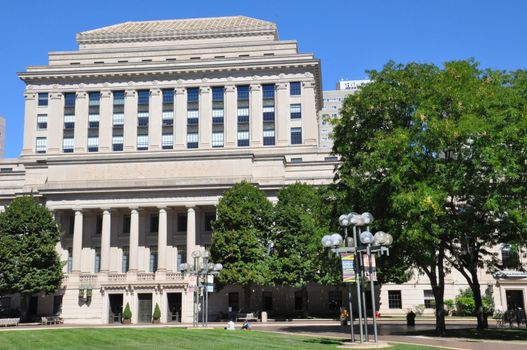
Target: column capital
{"points": [[255, 87], [106, 93], [180, 91], [78, 211], [81, 94], [155, 92], [230, 88], [30, 96], [204, 89], [56, 96], [106, 210], [281, 86], [308, 84], [130, 93]]}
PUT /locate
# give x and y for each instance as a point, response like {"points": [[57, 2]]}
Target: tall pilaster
{"points": [[256, 115], [180, 118], [282, 114], [30, 122], [309, 116], [105, 121], [130, 120], [81, 122], [105, 240], [155, 118], [77, 242], [162, 240], [205, 117], [134, 239], [230, 128], [55, 122], [191, 232]]}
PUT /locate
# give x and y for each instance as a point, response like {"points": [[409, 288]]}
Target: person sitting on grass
{"points": [[230, 326], [247, 325]]}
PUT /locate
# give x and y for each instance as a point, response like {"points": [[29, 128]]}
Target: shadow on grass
{"points": [[471, 333], [325, 341]]}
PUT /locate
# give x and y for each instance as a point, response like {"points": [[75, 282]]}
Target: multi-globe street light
{"points": [[368, 244], [201, 268]]}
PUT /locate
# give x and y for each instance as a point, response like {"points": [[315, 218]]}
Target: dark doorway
{"points": [[299, 300], [514, 299], [144, 310], [33, 306], [174, 307], [57, 304], [116, 308], [267, 301]]}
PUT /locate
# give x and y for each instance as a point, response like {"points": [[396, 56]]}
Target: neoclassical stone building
{"points": [[132, 139]]}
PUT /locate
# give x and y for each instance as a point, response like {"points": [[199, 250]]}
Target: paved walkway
{"points": [[389, 330]]}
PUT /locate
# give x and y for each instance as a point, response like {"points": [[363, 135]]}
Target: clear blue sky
{"points": [[349, 36]]}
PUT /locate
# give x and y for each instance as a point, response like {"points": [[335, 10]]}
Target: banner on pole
{"points": [[366, 264], [348, 267]]}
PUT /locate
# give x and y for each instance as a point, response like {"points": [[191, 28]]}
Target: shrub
{"points": [[450, 306], [157, 312], [419, 309], [465, 303], [127, 313]]}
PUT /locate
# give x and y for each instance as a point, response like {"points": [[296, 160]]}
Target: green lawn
{"points": [[164, 338]]}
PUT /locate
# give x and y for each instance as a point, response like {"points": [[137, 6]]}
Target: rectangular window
{"points": [[94, 98], [43, 99], [217, 139], [209, 218], [93, 144], [154, 223], [69, 121], [429, 299], [71, 226], [394, 299], [42, 121], [142, 142], [117, 143], [167, 141], [243, 138], [181, 255], [97, 267], [142, 119], [192, 140], [125, 260], [168, 96], [234, 301], [296, 112], [69, 266], [268, 91], [268, 114], [193, 114], [143, 97], [118, 119], [69, 99], [268, 137], [93, 120], [126, 224], [296, 136], [118, 98], [243, 92], [217, 93], [182, 222], [153, 259], [294, 88], [192, 94], [41, 145], [168, 118], [98, 225]]}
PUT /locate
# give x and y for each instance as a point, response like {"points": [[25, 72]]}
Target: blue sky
{"points": [[348, 36]]}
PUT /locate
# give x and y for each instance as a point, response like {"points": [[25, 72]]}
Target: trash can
{"points": [[410, 319], [264, 316]]}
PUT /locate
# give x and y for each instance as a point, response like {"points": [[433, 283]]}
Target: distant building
{"points": [[331, 105], [2, 136]]}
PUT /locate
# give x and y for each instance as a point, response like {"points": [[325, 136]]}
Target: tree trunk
{"points": [[439, 290], [478, 303], [247, 298]]}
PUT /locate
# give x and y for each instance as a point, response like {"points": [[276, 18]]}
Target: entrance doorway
{"points": [[174, 307], [514, 299], [116, 308], [144, 310], [33, 306]]}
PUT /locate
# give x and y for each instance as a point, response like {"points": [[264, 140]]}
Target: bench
{"points": [[9, 321], [249, 316], [51, 320]]}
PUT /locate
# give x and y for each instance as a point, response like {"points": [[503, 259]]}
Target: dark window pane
{"points": [[168, 96], [243, 92], [43, 99], [69, 99], [217, 93], [192, 94], [182, 222], [143, 97], [294, 88]]}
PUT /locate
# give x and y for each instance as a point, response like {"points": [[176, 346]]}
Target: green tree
{"points": [[439, 155], [296, 237], [241, 237], [29, 262]]}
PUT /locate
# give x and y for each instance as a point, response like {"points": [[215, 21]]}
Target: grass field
{"points": [[165, 338]]}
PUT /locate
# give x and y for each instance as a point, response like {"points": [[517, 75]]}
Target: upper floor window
{"points": [[41, 145], [143, 97], [294, 88], [192, 94], [296, 136], [243, 92], [118, 97], [217, 93], [268, 91], [94, 98], [510, 257], [168, 96], [296, 112], [43, 99], [154, 223], [42, 121], [69, 99]]}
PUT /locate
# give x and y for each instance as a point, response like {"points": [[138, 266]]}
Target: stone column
{"points": [[191, 232], [205, 117], [81, 122], [309, 116], [180, 118], [282, 114], [134, 239], [155, 116], [130, 120], [256, 115], [77, 242], [55, 122], [30, 122], [230, 119], [105, 121], [105, 240], [162, 240]]}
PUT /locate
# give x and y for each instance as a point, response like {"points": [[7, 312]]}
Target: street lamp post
{"points": [[366, 246], [201, 268]]}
